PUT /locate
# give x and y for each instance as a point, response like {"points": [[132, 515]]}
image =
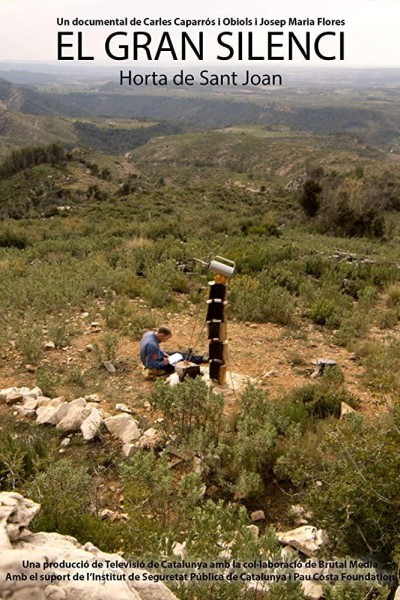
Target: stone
{"points": [[30, 368], [14, 397], [4, 393], [91, 425], [257, 515], [150, 439], [89, 348], [270, 373], [36, 392], [16, 512], [44, 400], [78, 411], [312, 590], [346, 409], [180, 550], [92, 398], [56, 548], [49, 346], [25, 412], [300, 515], [123, 408], [129, 449], [253, 530], [52, 414], [5, 543], [31, 404], [123, 427], [65, 442], [109, 366], [307, 539]]}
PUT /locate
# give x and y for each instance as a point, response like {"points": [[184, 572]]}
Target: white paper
{"points": [[175, 358]]}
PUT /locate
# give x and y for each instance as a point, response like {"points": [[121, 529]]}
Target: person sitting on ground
{"points": [[155, 361]]}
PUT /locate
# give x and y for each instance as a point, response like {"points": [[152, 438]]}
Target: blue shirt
{"points": [[150, 353]]}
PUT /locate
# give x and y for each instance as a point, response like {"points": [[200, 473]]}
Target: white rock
{"points": [[49, 346], [43, 400], [312, 590], [31, 404], [78, 411], [65, 442], [257, 515], [123, 408], [345, 409], [128, 450], [150, 439], [91, 425], [254, 530], [16, 512], [179, 550], [25, 412], [6, 391], [300, 515], [52, 414], [5, 543], [14, 397], [92, 398], [36, 392], [306, 539], [123, 427]]}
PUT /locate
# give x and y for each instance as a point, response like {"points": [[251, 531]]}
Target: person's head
{"points": [[163, 334]]}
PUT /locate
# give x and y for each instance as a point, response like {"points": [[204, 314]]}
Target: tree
{"points": [[310, 197]]}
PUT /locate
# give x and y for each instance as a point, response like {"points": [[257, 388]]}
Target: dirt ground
{"points": [[276, 357]]}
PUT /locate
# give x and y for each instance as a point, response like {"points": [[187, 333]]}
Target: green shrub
{"points": [[64, 491], [47, 380], [58, 333], [393, 297], [24, 452], [358, 501], [188, 409], [29, 343], [381, 363], [322, 310], [323, 399], [250, 300], [387, 319], [106, 349], [355, 591], [353, 327]]}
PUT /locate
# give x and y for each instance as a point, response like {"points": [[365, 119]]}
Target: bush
{"points": [[47, 381], [24, 452], [250, 300], [29, 343], [393, 297], [151, 488], [189, 409], [106, 349], [64, 491], [363, 478], [324, 399]]}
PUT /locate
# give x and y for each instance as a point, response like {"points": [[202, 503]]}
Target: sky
{"points": [[28, 28]]}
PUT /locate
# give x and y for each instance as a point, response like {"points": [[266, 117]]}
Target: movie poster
{"points": [[214, 184]]}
